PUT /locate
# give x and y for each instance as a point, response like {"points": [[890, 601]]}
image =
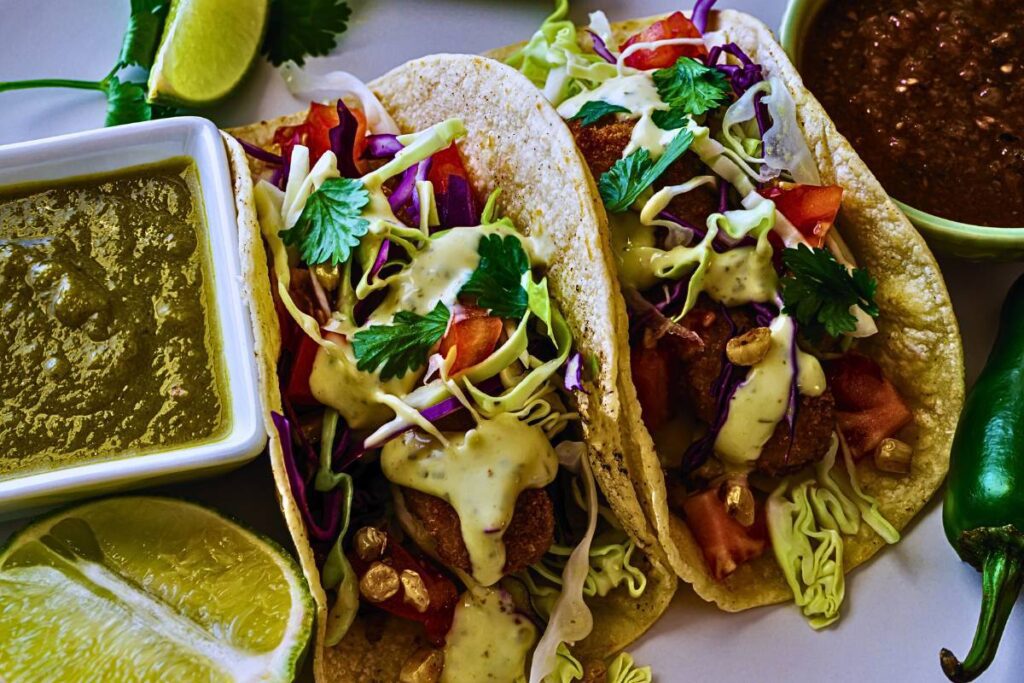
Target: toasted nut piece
{"points": [[379, 582], [893, 456], [328, 275], [369, 543], [423, 666], [750, 347], [739, 502], [416, 593]]}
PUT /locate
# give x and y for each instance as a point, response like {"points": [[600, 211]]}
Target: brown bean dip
{"points": [[931, 94]]}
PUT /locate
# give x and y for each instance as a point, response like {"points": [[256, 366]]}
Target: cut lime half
{"points": [[149, 589], [206, 49]]}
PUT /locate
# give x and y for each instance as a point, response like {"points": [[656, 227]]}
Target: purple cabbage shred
{"points": [[382, 146], [300, 478], [343, 141], [601, 49], [574, 373], [257, 152], [701, 9], [456, 207]]}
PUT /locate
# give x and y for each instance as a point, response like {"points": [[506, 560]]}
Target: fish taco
{"points": [[432, 307], [792, 368]]}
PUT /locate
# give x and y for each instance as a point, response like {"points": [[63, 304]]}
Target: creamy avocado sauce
{"points": [[488, 640], [110, 337], [481, 474]]}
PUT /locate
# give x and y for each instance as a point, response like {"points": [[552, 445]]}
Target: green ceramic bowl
{"points": [[976, 242]]}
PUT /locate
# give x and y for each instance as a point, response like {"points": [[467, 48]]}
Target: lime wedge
{"points": [[206, 49], [149, 589]]}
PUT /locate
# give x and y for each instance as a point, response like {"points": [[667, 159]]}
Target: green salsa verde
{"points": [[111, 344]]}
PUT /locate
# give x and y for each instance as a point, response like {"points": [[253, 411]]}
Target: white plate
{"points": [[110, 149], [901, 608]]}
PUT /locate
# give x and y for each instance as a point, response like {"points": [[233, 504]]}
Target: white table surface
{"points": [[900, 608]]}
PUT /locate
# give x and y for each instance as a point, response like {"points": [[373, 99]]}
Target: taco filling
{"points": [[429, 422], [746, 309]]}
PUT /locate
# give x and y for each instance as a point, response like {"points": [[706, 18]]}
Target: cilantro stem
{"points": [[50, 83]]}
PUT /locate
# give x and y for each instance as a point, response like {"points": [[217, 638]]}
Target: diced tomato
{"points": [[650, 377], [297, 391], [446, 163], [675, 25], [319, 122], [437, 619], [725, 543], [474, 334], [868, 407], [811, 209]]}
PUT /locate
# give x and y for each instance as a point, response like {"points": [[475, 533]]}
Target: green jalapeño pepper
{"points": [[983, 513]]}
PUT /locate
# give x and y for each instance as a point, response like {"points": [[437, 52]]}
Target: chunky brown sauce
{"points": [[109, 343], [931, 94]]}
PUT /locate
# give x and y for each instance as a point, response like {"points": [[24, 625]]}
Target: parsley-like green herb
{"points": [[691, 87], [297, 29], [622, 183], [142, 36], [330, 224], [595, 110], [496, 282], [401, 346], [820, 291], [670, 119]]}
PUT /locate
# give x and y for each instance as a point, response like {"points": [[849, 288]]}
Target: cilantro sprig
{"points": [[690, 87], [401, 346], [330, 224], [595, 110], [297, 29], [497, 281], [623, 183], [819, 292]]}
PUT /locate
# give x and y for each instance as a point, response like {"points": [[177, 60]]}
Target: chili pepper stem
{"points": [[51, 83], [1001, 577]]}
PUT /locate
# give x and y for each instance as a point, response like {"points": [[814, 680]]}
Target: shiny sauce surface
{"points": [[931, 95], [110, 344]]}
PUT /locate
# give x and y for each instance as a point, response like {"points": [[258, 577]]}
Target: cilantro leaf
{"points": [[142, 36], [623, 182], [820, 291], [126, 103], [691, 87], [330, 224], [401, 346], [496, 282], [595, 110], [297, 29], [670, 119]]}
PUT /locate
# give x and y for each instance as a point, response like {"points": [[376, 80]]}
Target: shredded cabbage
{"points": [[567, 667], [624, 670], [784, 146], [554, 61], [807, 520], [338, 573], [571, 620]]}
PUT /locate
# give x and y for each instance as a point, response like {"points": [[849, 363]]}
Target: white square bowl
{"points": [[112, 149]]}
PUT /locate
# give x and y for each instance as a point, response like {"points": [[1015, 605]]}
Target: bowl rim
{"points": [[107, 150], [795, 19]]}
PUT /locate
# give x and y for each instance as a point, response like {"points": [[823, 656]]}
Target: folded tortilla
{"points": [[918, 343], [517, 142]]}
